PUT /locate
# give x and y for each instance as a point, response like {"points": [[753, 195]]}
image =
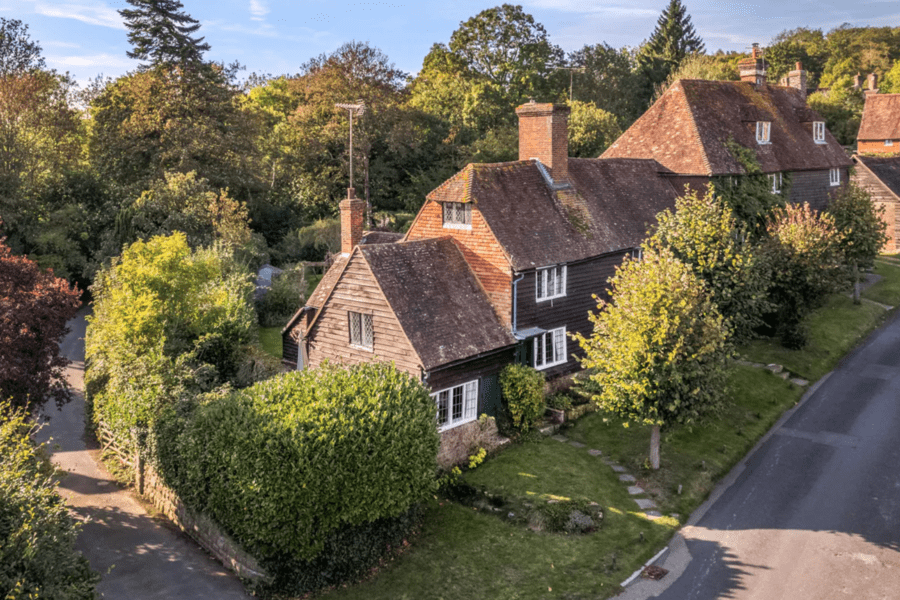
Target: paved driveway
{"points": [[814, 512], [139, 558]]}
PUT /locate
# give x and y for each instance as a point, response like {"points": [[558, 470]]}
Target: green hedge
{"points": [[289, 462], [523, 389]]}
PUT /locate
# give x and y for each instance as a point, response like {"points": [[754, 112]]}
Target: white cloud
{"points": [[258, 9], [101, 15], [93, 60], [579, 6]]}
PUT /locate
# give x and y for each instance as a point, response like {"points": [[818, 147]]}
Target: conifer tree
{"points": [[158, 31], [672, 40]]}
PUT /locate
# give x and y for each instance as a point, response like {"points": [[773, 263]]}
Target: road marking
{"points": [[838, 440]]}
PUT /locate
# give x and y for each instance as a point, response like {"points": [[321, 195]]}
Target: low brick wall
{"points": [[459, 443]]}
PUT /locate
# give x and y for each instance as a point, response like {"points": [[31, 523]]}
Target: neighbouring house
{"points": [[880, 176], [265, 275], [501, 263], [879, 130], [691, 130]]}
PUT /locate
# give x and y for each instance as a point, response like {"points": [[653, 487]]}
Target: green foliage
{"points": [[699, 66], [861, 224], [18, 54], [281, 301], [38, 559], [314, 242], [559, 401], [704, 233], [167, 321], [749, 195], [804, 253], [159, 32], [290, 461], [891, 82], [591, 130], [672, 40], [659, 345], [608, 80], [523, 389], [841, 106]]}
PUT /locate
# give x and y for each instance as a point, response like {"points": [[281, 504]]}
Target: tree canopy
{"points": [[161, 34], [18, 53]]}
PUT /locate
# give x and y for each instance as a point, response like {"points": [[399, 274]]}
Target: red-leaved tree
{"points": [[34, 308]]}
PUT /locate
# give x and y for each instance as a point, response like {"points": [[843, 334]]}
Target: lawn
{"points": [[886, 291], [270, 340]]}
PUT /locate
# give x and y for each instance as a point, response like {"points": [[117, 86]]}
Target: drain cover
{"points": [[654, 572]]}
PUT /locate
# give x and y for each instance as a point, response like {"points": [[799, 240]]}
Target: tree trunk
{"points": [[856, 299], [654, 448]]}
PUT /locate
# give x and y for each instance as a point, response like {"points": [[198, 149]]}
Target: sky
{"points": [[88, 37]]}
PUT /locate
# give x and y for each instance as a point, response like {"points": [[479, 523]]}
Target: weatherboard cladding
{"points": [[881, 178], [687, 129], [437, 300], [886, 169], [881, 118]]}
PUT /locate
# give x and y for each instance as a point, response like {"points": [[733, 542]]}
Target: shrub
{"points": [[289, 463], [559, 401], [281, 301], [38, 559], [863, 228], [523, 389]]}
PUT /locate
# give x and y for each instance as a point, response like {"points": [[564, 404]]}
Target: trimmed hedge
{"points": [[289, 463], [523, 389]]}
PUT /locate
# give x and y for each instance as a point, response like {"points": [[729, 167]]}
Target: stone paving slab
{"points": [[653, 514], [618, 468], [594, 452], [560, 438], [576, 444], [799, 381], [645, 503], [635, 490], [627, 478], [607, 461]]}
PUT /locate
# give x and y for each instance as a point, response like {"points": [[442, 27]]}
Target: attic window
{"points": [[550, 283], [763, 132], [361, 334], [457, 215], [834, 177], [819, 132], [776, 179], [456, 405]]}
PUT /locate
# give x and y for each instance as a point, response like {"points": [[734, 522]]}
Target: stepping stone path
{"points": [[645, 504], [777, 370]]}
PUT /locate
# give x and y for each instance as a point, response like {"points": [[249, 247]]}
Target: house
{"points": [[880, 176], [501, 263], [879, 130], [694, 126]]}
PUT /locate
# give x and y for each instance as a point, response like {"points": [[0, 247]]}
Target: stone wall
{"points": [[459, 443]]}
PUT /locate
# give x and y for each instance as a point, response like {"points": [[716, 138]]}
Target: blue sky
{"points": [[87, 37]]}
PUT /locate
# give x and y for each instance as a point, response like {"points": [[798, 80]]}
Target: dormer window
{"points": [[551, 283], [457, 215], [834, 177], [763, 132], [776, 179], [819, 132]]}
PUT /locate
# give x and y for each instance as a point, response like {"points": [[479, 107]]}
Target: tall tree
{"points": [[673, 39], [34, 309], [608, 79], [160, 33], [18, 54], [863, 226]]}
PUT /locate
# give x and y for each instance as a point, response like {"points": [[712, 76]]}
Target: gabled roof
{"points": [[609, 207], [688, 128], [380, 237], [435, 296], [881, 118], [885, 168]]}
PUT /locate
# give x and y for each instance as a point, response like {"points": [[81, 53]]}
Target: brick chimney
{"points": [[753, 69], [797, 79], [544, 135], [857, 81], [873, 83], [352, 215]]}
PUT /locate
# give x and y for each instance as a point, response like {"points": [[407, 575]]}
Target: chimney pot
{"points": [[352, 217], [873, 82], [799, 66], [544, 135]]}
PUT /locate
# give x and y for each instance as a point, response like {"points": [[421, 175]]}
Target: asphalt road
{"points": [[814, 512], [138, 557]]}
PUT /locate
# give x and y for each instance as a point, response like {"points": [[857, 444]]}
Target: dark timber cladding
{"points": [[814, 187], [485, 369]]}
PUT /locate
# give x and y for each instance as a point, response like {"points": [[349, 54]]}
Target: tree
{"points": [[841, 106], [658, 349], [38, 559], [803, 249], [608, 80], [158, 32], [18, 54], [34, 309], [673, 39], [704, 233], [862, 226], [700, 66], [591, 130]]}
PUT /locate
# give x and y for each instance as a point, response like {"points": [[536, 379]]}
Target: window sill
{"points": [[551, 365], [455, 424], [546, 298], [358, 347], [456, 226]]}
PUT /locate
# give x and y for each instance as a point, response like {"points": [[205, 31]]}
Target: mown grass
{"points": [[270, 340], [886, 291]]}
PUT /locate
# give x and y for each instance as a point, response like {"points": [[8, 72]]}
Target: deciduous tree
{"points": [[862, 227]]}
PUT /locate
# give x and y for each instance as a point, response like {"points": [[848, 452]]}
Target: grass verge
{"points": [[270, 340], [886, 291]]}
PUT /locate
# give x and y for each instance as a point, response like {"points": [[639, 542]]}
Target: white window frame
{"points": [[834, 177], [764, 132], [777, 179], [364, 338], [456, 215], [637, 254], [819, 132], [557, 339], [550, 283], [466, 394], [888, 142]]}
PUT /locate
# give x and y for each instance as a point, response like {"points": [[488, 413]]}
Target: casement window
{"points": [[457, 215], [834, 176], [888, 142], [776, 179], [361, 334], [819, 132], [763, 132], [551, 282], [456, 405], [637, 254], [550, 348]]}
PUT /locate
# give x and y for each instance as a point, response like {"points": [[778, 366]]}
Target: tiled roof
{"points": [[687, 129], [327, 282], [434, 294], [609, 207], [886, 168], [380, 237], [881, 118]]}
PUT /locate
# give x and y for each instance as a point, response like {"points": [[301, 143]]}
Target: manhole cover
{"points": [[654, 572]]}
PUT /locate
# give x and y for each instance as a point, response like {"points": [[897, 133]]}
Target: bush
{"points": [[281, 301], [289, 463], [310, 243], [559, 401], [38, 559], [523, 389]]}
